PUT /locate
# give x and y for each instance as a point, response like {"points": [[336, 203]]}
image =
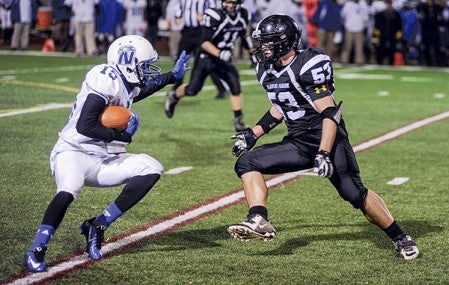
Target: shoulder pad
{"points": [[103, 83], [213, 13], [245, 13]]}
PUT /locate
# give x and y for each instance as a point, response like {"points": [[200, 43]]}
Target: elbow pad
{"points": [[333, 113]]}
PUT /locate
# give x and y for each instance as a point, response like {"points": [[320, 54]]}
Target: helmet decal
{"points": [[135, 58], [126, 55]]}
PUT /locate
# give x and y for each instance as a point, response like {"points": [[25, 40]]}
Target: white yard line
{"points": [[179, 219]]}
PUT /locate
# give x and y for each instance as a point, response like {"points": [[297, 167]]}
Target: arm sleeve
{"points": [[166, 78], [89, 125]]}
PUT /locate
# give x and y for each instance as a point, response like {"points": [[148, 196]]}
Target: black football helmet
{"points": [[277, 33], [231, 11]]}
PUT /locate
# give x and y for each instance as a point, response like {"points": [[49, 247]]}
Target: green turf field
{"points": [[321, 239]]}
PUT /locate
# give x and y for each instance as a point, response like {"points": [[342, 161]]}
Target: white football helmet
{"points": [[134, 57]]}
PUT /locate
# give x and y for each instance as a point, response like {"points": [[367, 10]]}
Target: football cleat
{"points": [[94, 237], [256, 227], [239, 124], [34, 261], [170, 103], [223, 95], [405, 247]]}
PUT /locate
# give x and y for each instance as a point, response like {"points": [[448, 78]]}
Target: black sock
{"points": [[394, 231], [258, 210], [237, 113]]}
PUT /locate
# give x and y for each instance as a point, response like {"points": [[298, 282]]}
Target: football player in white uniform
{"points": [[88, 153]]}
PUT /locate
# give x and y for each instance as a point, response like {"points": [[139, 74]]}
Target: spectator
{"points": [[23, 16], [430, 19], [328, 20], [445, 30], [154, 12], [355, 16], [5, 20], [410, 28], [83, 16], [61, 17], [387, 34], [310, 7], [301, 19], [108, 23], [174, 27], [374, 7], [135, 22]]}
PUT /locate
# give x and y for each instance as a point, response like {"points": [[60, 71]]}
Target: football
{"points": [[115, 117]]}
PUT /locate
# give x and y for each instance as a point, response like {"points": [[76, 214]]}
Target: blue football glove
{"points": [[323, 165], [181, 66], [133, 124]]}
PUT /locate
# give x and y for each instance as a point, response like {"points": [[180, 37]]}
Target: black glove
{"points": [[323, 165], [244, 141]]}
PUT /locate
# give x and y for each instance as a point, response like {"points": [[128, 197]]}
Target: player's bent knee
{"points": [[245, 163], [150, 165], [358, 199]]}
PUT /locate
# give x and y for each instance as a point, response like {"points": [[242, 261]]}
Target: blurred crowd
{"points": [[393, 32]]}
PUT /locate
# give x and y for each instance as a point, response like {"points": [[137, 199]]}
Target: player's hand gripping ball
{"points": [[115, 117]]}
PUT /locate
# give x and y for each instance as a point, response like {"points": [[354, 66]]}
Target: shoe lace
{"points": [[405, 243]]}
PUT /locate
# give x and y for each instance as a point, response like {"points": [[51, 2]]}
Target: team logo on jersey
{"points": [[126, 55], [319, 89]]}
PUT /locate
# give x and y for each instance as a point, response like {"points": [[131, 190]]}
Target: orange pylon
{"points": [[49, 45]]}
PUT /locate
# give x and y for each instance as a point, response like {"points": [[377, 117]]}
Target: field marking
{"points": [[39, 84], [178, 170], [58, 269], [34, 109], [398, 181]]}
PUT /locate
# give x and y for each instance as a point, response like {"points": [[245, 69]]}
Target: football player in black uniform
{"points": [[221, 29], [300, 86]]}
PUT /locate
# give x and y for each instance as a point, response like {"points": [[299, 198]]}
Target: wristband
{"points": [[268, 122]]}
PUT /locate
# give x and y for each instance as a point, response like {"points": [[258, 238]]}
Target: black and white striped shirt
{"points": [[191, 10]]}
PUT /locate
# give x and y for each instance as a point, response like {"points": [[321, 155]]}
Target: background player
{"points": [[221, 29], [300, 86], [88, 153]]}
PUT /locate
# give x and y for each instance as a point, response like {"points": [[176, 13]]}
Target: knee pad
{"points": [[245, 163], [356, 198]]}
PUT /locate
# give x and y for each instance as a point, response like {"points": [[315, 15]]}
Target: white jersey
{"points": [[102, 80], [83, 10], [77, 160], [135, 23]]}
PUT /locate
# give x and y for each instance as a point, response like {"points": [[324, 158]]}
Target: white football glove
{"points": [[244, 141], [323, 165], [225, 55]]}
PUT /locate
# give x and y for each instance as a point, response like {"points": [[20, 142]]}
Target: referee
{"points": [[190, 14]]}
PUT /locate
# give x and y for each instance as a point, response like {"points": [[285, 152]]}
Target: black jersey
{"points": [[292, 89], [222, 29]]}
